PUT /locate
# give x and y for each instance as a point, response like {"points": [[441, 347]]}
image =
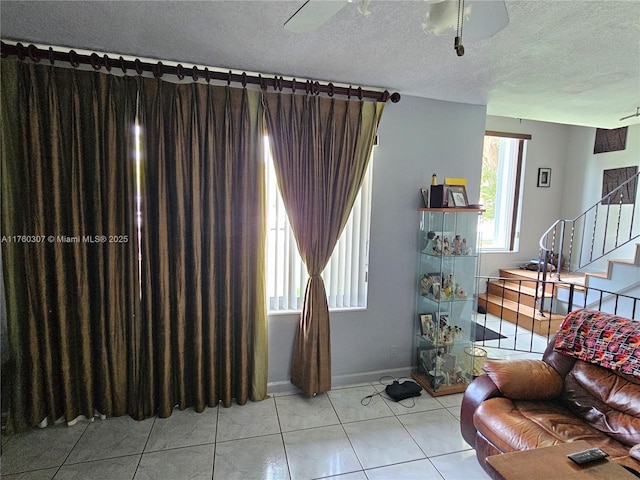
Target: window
{"points": [[345, 276], [500, 190]]}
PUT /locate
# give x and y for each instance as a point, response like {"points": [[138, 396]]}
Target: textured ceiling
{"points": [[574, 62]]}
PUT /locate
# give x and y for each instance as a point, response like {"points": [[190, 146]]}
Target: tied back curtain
{"points": [[67, 174], [203, 234], [321, 148]]}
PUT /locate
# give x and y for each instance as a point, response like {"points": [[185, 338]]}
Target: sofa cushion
{"points": [[523, 425], [524, 379], [606, 400]]}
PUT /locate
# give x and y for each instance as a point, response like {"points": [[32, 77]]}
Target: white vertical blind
{"points": [[345, 275]]}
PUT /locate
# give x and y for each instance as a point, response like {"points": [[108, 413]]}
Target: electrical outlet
{"points": [[393, 351]]}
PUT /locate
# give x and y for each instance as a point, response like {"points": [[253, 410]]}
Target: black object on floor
{"points": [[485, 334], [401, 390]]}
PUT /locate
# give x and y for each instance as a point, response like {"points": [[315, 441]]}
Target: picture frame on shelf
{"points": [[426, 322], [425, 197], [450, 362], [544, 177], [457, 195], [426, 358]]}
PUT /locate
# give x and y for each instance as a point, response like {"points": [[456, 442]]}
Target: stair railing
{"points": [[515, 328], [553, 243]]}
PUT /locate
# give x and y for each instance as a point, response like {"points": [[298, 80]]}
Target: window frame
{"points": [[363, 224], [510, 244]]}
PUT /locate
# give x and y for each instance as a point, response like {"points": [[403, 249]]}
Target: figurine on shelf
{"points": [[439, 371], [464, 248], [446, 249], [447, 339], [449, 283], [457, 333], [439, 361], [460, 292], [427, 241], [459, 377], [425, 284], [457, 245], [437, 247]]}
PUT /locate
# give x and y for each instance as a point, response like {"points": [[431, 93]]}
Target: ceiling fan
{"points": [[637, 114], [483, 18]]}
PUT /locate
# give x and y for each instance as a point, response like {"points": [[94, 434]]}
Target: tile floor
{"points": [[517, 343], [284, 437]]}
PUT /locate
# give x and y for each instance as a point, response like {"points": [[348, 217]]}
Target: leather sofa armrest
{"points": [[481, 389], [635, 452]]}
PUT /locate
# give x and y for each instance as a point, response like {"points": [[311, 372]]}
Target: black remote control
{"points": [[588, 456]]}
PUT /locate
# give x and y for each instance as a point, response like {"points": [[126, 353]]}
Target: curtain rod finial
{"points": [[395, 97]]}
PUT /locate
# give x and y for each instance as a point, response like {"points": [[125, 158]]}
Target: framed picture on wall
{"points": [[544, 177], [610, 140], [613, 179]]}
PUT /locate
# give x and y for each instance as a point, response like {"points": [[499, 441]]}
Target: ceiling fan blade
{"points": [[487, 18], [313, 14], [482, 18], [637, 114]]}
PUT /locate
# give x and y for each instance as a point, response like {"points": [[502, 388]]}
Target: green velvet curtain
{"points": [[321, 149], [88, 330]]}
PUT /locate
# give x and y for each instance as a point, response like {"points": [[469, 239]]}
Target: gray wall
{"points": [[417, 137], [540, 206], [583, 186], [576, 183]]}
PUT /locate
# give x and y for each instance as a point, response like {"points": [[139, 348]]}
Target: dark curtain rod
{"points": [[97, 62]]}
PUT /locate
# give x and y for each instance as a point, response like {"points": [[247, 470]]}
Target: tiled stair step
{"points": [[576, 288], [521, 315], [635, 260], [516, 292], [529, 278]]}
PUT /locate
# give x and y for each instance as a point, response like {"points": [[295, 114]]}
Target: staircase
{"points": [[612, 290], [617, 264], [538, 301], [514, 296], [601, 229], [594, 234]]}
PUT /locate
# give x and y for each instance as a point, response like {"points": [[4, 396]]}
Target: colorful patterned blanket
{"points": [[601, 338]]}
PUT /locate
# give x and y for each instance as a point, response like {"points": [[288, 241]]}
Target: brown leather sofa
{"points": [[526, 404]]}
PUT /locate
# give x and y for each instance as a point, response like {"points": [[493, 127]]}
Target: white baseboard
{"points": [[338, 381]]}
